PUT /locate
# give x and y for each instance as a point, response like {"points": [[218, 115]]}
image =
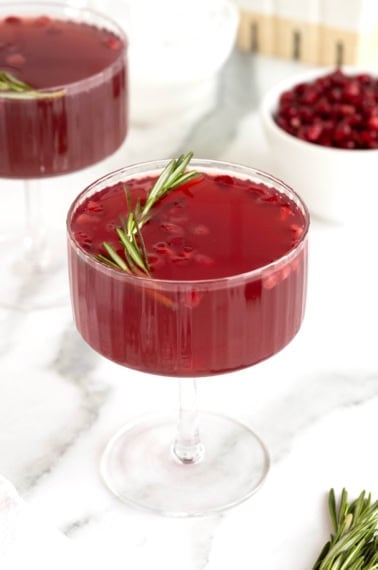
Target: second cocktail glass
{"points": [[63, 107], [228, 259]]}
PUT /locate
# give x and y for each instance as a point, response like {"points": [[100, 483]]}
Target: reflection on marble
{"points": [[315, 403]]}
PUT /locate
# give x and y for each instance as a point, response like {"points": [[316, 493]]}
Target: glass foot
{"points": [[139, 467], [33, 280]]}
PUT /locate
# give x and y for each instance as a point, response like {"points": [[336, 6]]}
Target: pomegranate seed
{"points": [[224, 180], [285, 272], [335, 94], [297, 230], [93, 206], [271, 280], [203, 259], [85, 219], [188, 251], [200, 230], [310, 96], [14, 20], [373, 123], [355, 120], [348, 143], [295, 122], [113, 43], [314, 132], [286, 97], [346, 110], [42, 21], [364, 78], [352, 90], [192, 299], [300, 88], [334, 110], [177, 241], [323, 108], [272, 199], [342, 131], [15, 59], [155, 261], [179, 259], [366, 138], [171, 228], [294, 264], [83, 239], [162, 247], [285, 212], [305, 114], [257, 190]]}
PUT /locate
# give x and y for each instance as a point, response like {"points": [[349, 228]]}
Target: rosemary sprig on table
{"points": [[354, 543], [130, 235], [13, 88]]}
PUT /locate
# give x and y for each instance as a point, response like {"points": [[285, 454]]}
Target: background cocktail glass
{"points": [[199, 462], [52, 136]]}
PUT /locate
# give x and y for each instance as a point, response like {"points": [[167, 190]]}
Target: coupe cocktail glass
{"points": [[76, 61], [228, 256]]}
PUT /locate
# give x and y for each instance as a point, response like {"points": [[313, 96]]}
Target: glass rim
{"points": [[154, 166], [15, 8]]}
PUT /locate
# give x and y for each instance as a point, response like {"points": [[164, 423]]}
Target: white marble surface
{"points": [[315, 403]]}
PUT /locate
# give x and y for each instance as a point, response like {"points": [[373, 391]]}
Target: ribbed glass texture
{"points": [[148, 324], [56, 135]]}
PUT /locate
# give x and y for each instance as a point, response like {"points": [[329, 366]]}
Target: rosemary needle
{"points": [[354, 542], [130, 234], [13, 88]]}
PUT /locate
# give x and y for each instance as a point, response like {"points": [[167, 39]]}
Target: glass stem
{"points": [[35, 232], [187, 446]]}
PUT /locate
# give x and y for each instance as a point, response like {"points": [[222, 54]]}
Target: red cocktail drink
{"points": [[82, 57], [63, 107], [228, 273], [227, 256]]}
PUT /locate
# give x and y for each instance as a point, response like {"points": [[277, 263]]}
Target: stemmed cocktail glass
{"points": [[63, 107], [227, 254]]}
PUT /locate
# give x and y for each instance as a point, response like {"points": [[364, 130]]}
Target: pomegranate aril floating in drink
{"points": [[202, 284], [48, 136], [93, 206], [207, 245], [83, 239]]}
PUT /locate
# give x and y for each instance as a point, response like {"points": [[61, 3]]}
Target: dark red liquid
{"points": [[50, 136], [201, 312]]}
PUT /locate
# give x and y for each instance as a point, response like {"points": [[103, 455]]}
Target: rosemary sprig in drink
{"points": [[354, 543], [13, 88], [130, 234]]}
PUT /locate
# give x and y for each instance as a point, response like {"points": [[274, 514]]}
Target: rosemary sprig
{"points": [[13, 88], [354, 543], [130, 234]]}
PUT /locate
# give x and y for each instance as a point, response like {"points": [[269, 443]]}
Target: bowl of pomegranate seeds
{"points": [[322, 129]]}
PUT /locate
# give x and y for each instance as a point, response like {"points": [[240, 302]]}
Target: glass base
{"points": [[139, 467], [33, 279]]}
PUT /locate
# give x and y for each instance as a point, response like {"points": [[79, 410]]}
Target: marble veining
{"points": [[315, 403], [236, 96]]}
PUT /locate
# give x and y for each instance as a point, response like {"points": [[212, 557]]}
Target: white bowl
{"points": [[175, 52], [338, 185]]}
